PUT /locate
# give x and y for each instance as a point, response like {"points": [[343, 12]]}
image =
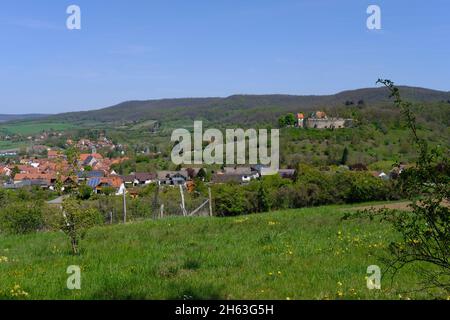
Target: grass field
{"points": [[34, 127], [9, 145], [295, 254]]}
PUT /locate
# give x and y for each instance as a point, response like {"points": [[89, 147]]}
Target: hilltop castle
{"points": [[319, 120]]}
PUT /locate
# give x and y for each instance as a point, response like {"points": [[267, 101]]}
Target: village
{"points": [[95, 170], [53, 171]]}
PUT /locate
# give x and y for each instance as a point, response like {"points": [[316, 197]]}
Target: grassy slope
{"points": [[297, 254]]}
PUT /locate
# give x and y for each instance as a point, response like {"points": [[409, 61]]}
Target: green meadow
{"points": [[9, 145], [297, 254], [34, 127]]}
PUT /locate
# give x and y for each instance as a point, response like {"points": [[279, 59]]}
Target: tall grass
{"points": [[295, 254]]}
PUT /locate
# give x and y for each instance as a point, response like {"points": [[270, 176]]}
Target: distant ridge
{"points": [[241, 108]]}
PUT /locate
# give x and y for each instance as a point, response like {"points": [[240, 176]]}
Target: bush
{"points": [[230, 200], [312, 187], [21, 218], [84, 192]]}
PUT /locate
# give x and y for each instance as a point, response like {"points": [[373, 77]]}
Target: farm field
{"points": [[295, 254], [9, 145], [34, 127]]}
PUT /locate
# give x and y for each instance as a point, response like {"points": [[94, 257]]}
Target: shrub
{"points": [[20, 218], [84, 192], [230, 200]]}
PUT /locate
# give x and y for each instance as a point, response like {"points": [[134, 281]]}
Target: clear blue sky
{"points": [[145, 49]]}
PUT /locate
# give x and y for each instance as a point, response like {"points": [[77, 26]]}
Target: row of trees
{"points": [[310, 187]]}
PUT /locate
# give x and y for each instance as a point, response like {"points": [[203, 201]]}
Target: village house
{"points": [[90, 159], [45, 180], [98, 184], [27, 183], [52, 154], [5, 171], [172, 177], [235, 174], [85, 175], [140, 178]]}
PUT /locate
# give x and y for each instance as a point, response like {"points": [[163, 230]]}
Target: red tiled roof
{"points": [[34, 176], [114, 181], [84, 156], [52, 153]]}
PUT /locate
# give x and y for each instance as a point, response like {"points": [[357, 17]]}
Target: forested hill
{"points": [[241, 109]]}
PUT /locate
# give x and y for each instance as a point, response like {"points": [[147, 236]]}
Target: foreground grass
{"points": [[295, 254]]}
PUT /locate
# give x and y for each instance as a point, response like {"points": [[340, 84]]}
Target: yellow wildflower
{"points": [[17, 292]]}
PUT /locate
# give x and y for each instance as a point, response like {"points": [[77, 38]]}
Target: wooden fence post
{"points": [[210, 202], [124, 206], [182, 201]]}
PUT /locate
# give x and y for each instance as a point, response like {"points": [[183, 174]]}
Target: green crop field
{"points": [[27, 128], [296, 254], [9, 145]]}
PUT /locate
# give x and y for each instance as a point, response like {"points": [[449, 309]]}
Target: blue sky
{"points": [[145, 49]]}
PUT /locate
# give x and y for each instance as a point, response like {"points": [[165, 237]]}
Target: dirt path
{"points": [[396, 205]]}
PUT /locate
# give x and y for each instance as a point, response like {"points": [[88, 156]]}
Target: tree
{"points": [[84, 192], [349, 103], [287, 120], [3, 198], [76, 220], [202, 174], [290, 119], [107, 191], [191, 173], [15, 171], [425, 229], [344, 156], [72, 155], [263, 199]]}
